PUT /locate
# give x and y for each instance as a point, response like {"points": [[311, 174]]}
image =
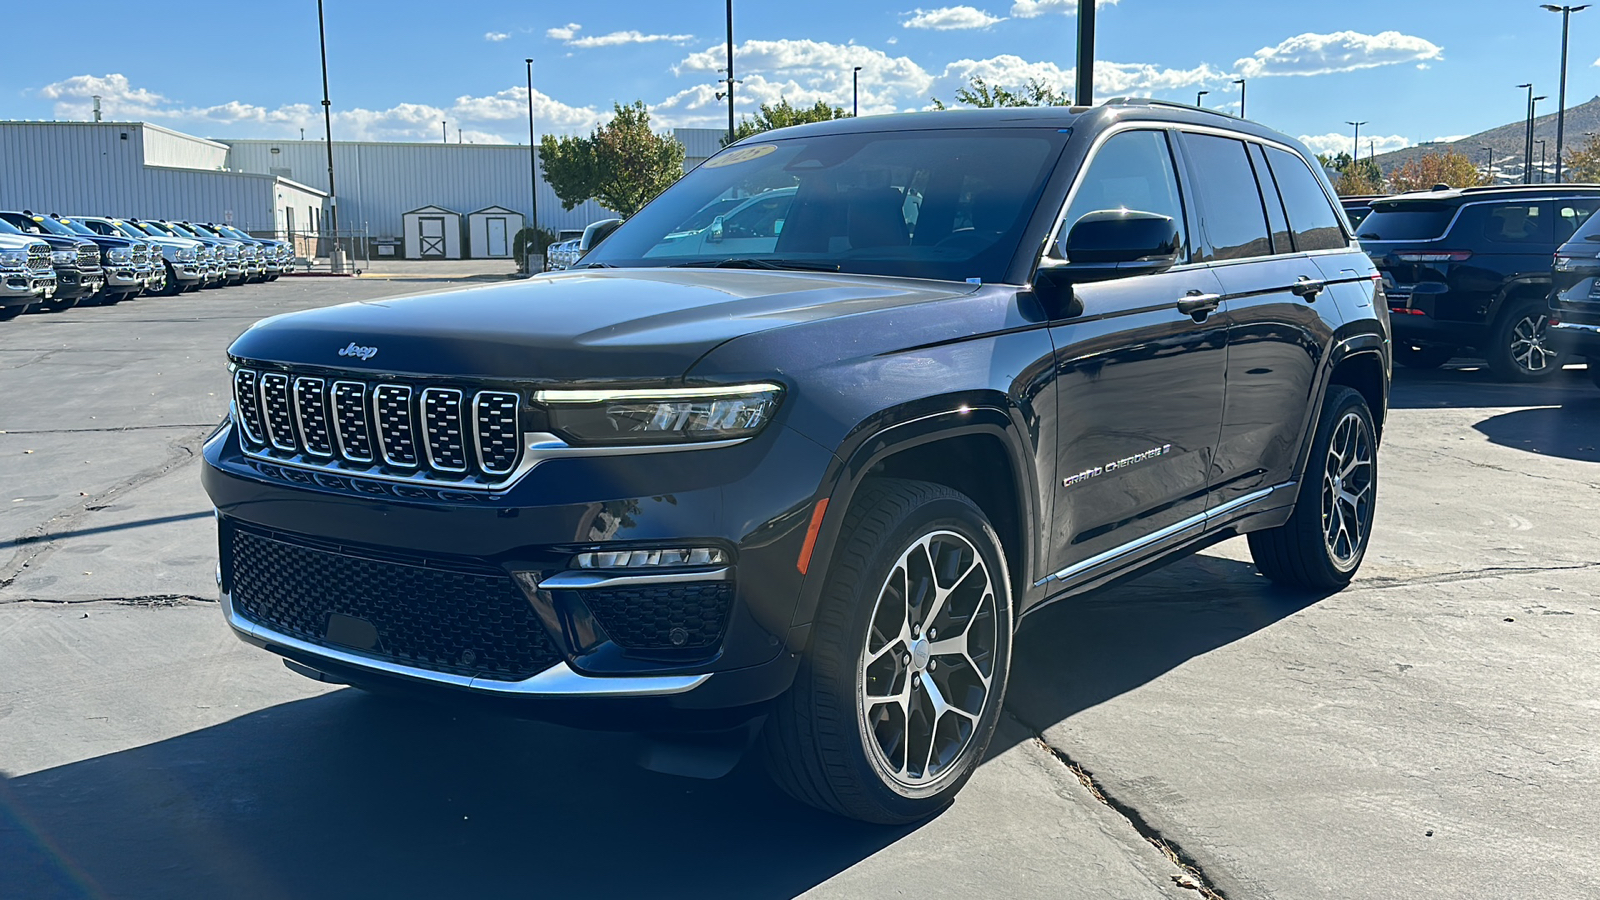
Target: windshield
{"points": [[230, 231], [1406, 222], [129, 229], [947, 204], [180, 231], [8, 228], [37, 224], [77, 227], [155, 229]]}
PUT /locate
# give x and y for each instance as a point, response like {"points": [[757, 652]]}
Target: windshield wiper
{"points": [[751, 262]]}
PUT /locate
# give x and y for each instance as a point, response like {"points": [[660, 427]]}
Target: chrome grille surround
{"points": [[311, 416], [397, 432], [88, 256], [444, 441], [276, 411], [39, 258], [350, 411], [496, 436]]}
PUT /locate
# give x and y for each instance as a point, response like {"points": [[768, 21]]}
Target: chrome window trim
{"points": [[288, 399], [361, 404], [299, 420], [477, 435], [601, 395], [560, 680], [377, 421], [580, 580], [427, 435], [1199, 520]]}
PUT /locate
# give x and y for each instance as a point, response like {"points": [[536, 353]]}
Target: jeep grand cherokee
{"points": [[984, 361]]}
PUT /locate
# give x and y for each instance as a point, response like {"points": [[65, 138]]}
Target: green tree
{"points": [[782, 115], [984, 95], [1582, 164], [622, 164], [535, 239], [1423, 172], [1355, 177]]}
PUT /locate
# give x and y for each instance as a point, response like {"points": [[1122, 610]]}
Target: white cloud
{"points": [[617, 38], [1342, 51], [1027, 9], [563, 33], [1110, 78], [950, 18], [806, 71], [1334, 143], [495, 36]]}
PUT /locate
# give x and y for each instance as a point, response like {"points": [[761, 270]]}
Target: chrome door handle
{"points": [[1308, 288], [1197, 304]]}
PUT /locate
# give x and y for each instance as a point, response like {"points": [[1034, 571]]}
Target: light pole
{"points": [[1198, 95], [1533, 106], [1355, 149], [444, 132], [335, 259], [1540, 142], [1240, 83], [730, 71], [1085, 53], [1561, 104], [1488, 163], [855, 92], [533, 173], [1527, 152]]}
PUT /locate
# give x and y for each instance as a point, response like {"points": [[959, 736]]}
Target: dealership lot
{"points": [[1426, 733]]}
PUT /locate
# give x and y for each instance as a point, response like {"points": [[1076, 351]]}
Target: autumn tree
{"points": [[1450, 167], [1583, 163], [783, 114], [622, 164], [1355, 178], [981, 94]]}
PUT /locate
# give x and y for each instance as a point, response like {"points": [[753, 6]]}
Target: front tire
{"points": [[1517, 348], [886, 719], [1321, 546]]}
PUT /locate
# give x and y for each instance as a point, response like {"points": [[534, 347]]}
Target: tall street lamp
{"points": [[1488, 165], [1561, 104], [1240, 83], [335, 259], [731, 82], [1533, 114], [1085, 53], [1527, 151], [1355, 149], [855, 91], [533, 172], [1198, 95]]}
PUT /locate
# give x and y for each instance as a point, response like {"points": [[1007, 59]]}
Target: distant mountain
{"points": [[1506, 143]]}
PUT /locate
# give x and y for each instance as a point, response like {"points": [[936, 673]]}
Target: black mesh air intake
{"points": [[662, 616]]}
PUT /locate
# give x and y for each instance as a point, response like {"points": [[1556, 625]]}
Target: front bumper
{"points": [[26, 286], [188, 271], [76, 283], [126, 277], [533, 529]]}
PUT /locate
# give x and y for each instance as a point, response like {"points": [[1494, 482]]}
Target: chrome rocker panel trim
{"points": [[557, 681]]}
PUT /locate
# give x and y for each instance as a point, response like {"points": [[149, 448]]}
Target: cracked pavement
{"points": [[1428, 732]]}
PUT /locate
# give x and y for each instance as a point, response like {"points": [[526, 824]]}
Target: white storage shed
{"points": [[490, 232], [432, 232]]}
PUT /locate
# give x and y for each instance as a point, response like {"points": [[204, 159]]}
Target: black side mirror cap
{"points": [[1117, 236]]}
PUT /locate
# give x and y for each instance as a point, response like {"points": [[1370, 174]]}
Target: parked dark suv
{"points": [[990, 360], [1471, 268], [1575, 297]]}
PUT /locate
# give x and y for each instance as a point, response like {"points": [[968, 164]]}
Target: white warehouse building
{"points": [[277, 187]]}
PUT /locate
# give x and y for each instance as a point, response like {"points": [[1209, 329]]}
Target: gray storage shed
{"points": [[432, 232], [490, 232]]}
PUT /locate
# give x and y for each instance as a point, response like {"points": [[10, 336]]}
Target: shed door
{"points": [[431, 230], [497, 236]]}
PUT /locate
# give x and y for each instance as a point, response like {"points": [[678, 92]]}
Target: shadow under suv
{"points": [[802, 494], [1471, 268]]}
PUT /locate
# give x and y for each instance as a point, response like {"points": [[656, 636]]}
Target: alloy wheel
{"points": [[1347, 490], [1528, 349], [927, 665]]}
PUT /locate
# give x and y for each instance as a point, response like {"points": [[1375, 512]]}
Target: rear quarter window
{"points": [[1312, 218], [1517, 223], [1231, 213]]}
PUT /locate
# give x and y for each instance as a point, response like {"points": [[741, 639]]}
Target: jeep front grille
{"points": [[435, 434]]}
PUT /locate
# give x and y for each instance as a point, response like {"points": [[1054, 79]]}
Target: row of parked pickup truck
{"points": [[55, 262]]}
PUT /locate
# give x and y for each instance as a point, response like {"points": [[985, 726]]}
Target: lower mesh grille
{"points": [[458, 622], [662, 616]]}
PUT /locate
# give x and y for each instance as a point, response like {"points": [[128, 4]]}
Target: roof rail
{"points": [[1529, 188], [1151, 101]]}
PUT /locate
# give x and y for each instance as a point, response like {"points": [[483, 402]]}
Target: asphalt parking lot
{"points": [[1429, 732]]}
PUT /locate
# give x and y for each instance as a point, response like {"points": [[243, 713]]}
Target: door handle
{"points": [[1308, 288], [1197, 304]]}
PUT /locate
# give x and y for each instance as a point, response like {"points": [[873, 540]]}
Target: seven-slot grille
{"points": [[356, 425], [88, 256]]}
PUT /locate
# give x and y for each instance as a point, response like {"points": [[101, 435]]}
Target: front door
{"points": [[497, 236], [431, 230], [1139, 382]]}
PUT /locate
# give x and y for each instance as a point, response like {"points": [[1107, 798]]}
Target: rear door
{"points": [[1139, 382]]}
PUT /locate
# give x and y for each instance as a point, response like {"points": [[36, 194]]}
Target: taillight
{"points": [[1432, 256]]}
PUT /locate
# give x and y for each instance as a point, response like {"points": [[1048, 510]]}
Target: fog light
{"points": [[648, 559]]}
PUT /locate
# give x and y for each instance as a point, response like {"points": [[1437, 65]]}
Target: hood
{"points": [[61, 241], [618, 324]]}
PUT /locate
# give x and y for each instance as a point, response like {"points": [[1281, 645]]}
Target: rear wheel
{"points": [[1325, 539], [1423, 356], [900, 691], [1517, 348]]}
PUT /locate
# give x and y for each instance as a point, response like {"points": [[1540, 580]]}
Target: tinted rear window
{"points": [[1407, 222], [1230, 202], [1311, 214]]}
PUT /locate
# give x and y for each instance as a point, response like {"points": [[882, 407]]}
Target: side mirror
{"points": [[1125, 239], [714, 233], [597, 232]]}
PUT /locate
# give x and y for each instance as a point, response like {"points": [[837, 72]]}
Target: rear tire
{"points": [[1321, 546], [1423, 356], [1517, 350], [885, 721]]}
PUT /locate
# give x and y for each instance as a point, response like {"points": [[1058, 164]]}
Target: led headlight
{"points": [[185, 254], [13, 258], [63, 257], [660, 415], [120, 254], [651, 559]]}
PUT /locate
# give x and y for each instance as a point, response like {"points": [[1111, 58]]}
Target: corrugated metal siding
{"points": [[181, 151], [699, 144], [380, 181]]}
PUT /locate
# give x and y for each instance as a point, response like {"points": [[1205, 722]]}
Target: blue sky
{"points": [[1416, 70]]}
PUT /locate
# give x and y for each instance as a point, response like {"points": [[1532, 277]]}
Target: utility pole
{"points": [[855, 92], [1355, 151], [1561, 104], [1488, 165], [1085, 53], [336, 259], [1541, 143], [1241, 84], [730, 72], [1527, 151], [533, 171]]}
